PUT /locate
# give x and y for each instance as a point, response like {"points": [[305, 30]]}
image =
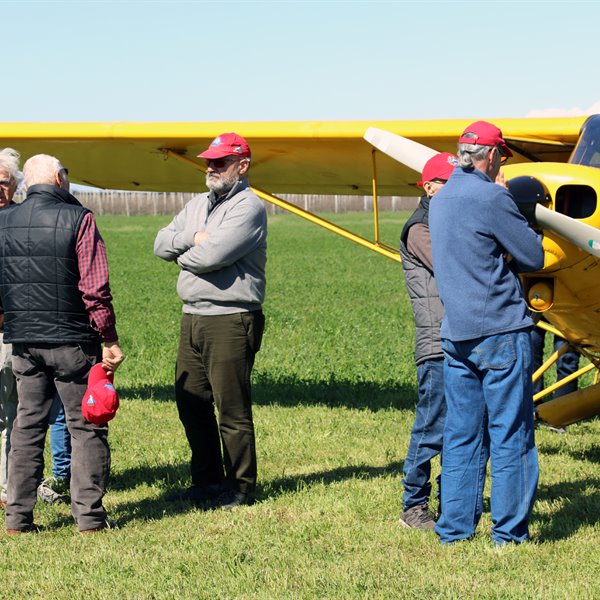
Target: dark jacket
{"points": [[420, 283], [39, 273]]}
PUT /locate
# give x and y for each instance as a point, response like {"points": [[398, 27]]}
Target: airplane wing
{"points": [[316, 157], [333, 158]]}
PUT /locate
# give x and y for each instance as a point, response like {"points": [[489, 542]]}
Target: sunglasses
{"points": [[219, 163], [503, 156]]}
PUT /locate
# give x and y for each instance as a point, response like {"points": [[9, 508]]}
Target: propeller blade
{"points": [[415, 155], [409, 153], [580, 234]]}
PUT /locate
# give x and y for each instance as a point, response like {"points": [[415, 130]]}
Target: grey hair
{"points": [[469, 153], [9, 161], [41, 168]]}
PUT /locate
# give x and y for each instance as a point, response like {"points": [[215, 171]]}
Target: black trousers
{"points": [[214, 363]]}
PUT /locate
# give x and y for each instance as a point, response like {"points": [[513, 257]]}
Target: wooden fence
{"points": [[170, 203]]}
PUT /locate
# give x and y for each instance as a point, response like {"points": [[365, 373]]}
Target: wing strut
{"points": [[376, 206], [357, 239]]}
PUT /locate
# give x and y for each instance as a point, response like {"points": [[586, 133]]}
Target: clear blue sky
{"points": [[285, 60]]}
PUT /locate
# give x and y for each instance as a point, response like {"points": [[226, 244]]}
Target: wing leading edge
{"points": [[316, 157]]}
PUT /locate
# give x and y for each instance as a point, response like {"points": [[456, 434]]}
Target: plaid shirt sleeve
{"points": [[93, 283]]}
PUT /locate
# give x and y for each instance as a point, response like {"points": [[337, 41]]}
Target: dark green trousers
{"points": [[214, 363]]}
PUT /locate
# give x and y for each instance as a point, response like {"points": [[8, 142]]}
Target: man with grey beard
{"points": [[219, 241]]}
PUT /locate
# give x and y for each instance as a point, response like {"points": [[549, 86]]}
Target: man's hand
{"points": [[112, 357], [199, 237], [1, 320], [501, 180]]}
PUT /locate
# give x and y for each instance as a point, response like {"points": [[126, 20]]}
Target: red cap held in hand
{"points": [[100, 401]]}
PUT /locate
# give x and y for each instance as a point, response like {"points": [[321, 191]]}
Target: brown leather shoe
{"points": [[97, 530], [33, 528]]}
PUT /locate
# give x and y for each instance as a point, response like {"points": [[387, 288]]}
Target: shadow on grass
{"points": [[559, 447], [365, 395], [158, 507], [282, 485], [291, 391], [578, 502], [167, 475]]}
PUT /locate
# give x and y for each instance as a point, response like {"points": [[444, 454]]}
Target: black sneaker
{"points": [[228, 500], [196, 493], [417, 517]]}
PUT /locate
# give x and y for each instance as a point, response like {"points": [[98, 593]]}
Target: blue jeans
{"points": [[568, 363], [426, 437], [60, 441], [488, 391]]}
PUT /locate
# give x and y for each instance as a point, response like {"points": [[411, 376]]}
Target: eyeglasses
{"points": [[503, 156], [220, 163], [5, 184]]}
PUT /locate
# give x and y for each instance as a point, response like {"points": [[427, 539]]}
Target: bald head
{"points": [[43, 168]]}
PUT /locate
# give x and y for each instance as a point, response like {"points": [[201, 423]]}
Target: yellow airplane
{"points": [[554, 177]]}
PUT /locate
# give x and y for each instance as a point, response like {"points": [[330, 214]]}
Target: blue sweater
{"points": [[474, 224]]}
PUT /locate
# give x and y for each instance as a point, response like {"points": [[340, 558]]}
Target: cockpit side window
{"points": [[587, 151], [576, 201]]}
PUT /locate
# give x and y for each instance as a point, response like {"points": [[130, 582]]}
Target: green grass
{"points": [[334, 395]]}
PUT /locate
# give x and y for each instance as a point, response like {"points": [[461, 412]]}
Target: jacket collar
{"points": [[56, 193], [474, 171], [239, 185]]}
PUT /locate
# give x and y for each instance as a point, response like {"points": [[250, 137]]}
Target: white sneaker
{"points": [[52, 490]]}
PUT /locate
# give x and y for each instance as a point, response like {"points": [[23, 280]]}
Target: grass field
{"points": [[334, 395]]}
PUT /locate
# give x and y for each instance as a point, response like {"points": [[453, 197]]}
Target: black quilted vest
{"points": [[420, 283], [39, 273]]}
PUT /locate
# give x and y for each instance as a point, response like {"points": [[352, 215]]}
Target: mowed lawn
{"points": [[334, 394]]}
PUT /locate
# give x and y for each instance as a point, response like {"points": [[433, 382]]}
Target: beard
{"points": [[220, 183]]}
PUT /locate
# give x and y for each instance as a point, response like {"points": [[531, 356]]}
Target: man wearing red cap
{"points": [[480, 242], [426, 437], [219, 241]]}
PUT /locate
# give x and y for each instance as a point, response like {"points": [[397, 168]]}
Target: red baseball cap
{"points": [[439, 166], [485, 134], [227, 144], [100, 401]]}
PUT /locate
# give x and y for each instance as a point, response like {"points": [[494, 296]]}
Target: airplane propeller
{"points": [[415, 155], [409, 153], [580, 234]]}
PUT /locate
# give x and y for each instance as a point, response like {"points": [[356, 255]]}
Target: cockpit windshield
{"points": [[587, 151]]}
